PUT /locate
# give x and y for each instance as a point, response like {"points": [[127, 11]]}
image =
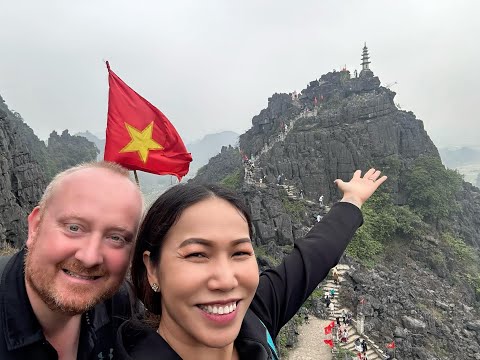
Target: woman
{"points": [[195, 268]]}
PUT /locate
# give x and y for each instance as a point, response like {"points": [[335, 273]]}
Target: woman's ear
{"points": [[151, 270]]}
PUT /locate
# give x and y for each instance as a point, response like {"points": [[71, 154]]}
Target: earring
{"points": [[155, 287]]}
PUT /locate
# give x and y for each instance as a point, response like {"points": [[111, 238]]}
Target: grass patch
{"points": [[261, 252], [295, 208], [383, 220], [7, 250], [233, 181]]}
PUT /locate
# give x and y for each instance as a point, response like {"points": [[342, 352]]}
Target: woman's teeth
{"points": [[219, 309]]}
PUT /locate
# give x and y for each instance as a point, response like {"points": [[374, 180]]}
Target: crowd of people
{"points": [[361, 348]]}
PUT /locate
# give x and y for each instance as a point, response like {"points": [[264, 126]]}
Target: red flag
{"points": [[329, 327], [244, 157], [329, 342], [139, 136], [391, 345]]}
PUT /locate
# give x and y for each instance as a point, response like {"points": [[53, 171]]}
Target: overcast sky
{"points": [[211, 65]]}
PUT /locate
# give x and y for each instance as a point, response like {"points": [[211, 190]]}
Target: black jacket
{"points": [[281, 292], [21, 336]]}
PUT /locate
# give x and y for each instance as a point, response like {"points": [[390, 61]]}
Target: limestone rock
{"points": [[413, 324], [22, 180], [473, 325]]}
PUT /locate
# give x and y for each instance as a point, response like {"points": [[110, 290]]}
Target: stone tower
{"points": [[365, 63]]}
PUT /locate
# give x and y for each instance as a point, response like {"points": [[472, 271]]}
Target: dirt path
{"points": [[310, 342]]}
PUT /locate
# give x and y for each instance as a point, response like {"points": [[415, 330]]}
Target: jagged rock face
{"points": [[466, 220], [357, 125], [428, 316], [271, 223], [21, 178], [225, 163]]}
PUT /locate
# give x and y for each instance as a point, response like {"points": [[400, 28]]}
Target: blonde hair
{"points": [[51, 187]]}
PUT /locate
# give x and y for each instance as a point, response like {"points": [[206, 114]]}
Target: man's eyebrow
{"points": [[72, 217], [210, 243], [75, 217]]}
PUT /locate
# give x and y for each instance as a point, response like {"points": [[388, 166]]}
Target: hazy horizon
{"points": [[211, 67]]}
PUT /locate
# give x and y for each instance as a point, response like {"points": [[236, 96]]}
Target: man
{"points": [[59, 297]]}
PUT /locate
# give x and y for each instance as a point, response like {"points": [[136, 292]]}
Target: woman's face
{"points": [[207, 275]]}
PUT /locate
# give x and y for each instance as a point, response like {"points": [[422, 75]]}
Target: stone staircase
{"points": [[250, 165], [292, 191], [374, 352]]}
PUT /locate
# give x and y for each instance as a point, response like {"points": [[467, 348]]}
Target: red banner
{"points": [[139, 136]]}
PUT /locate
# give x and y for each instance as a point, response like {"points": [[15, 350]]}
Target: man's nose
{"points": [[90, 251]]}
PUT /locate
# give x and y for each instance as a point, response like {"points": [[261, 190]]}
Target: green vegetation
{"points": [[431, 189], [282, 338], [382, 221], [65, 151], [233, 181], [281, 343], [343, 353], [316, 295], [295, 208], [474, 281], [261, 252], [7, 249], [464, 257]]}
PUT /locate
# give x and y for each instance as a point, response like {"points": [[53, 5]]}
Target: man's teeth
{"points": [[219, 309], [79, 276]]}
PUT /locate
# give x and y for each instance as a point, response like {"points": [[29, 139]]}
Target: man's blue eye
{"points": [[73, 227], [117, 238]]}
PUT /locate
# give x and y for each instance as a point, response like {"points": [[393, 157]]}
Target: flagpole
{"points": [[136, 177]]}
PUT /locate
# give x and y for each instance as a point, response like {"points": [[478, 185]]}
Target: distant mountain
{"points": [[455, 157], [202, 150], [99, 143], [466, 160], [210, 145]]}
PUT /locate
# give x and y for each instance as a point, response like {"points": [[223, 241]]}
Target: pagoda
{"points": [[365, 63]]}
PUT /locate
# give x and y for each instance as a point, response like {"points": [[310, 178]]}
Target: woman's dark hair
{"points": [[161, 216]]}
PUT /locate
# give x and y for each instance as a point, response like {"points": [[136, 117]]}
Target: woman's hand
{"points": [[359, 189]]}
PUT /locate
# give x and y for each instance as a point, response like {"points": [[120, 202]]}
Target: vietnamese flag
{"points": [[329, 342], [139, 136], [391, 345], [329, 327]]}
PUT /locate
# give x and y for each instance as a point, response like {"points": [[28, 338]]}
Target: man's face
{"points": [[79, 246]]}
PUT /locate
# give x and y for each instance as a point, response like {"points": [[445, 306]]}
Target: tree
{"points": [[431, 189]]}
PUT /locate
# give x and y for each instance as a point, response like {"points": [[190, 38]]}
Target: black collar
{"points": [[21, 327], [137, 341]]}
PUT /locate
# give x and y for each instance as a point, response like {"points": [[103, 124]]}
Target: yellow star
{"points": [[141, 141]]}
